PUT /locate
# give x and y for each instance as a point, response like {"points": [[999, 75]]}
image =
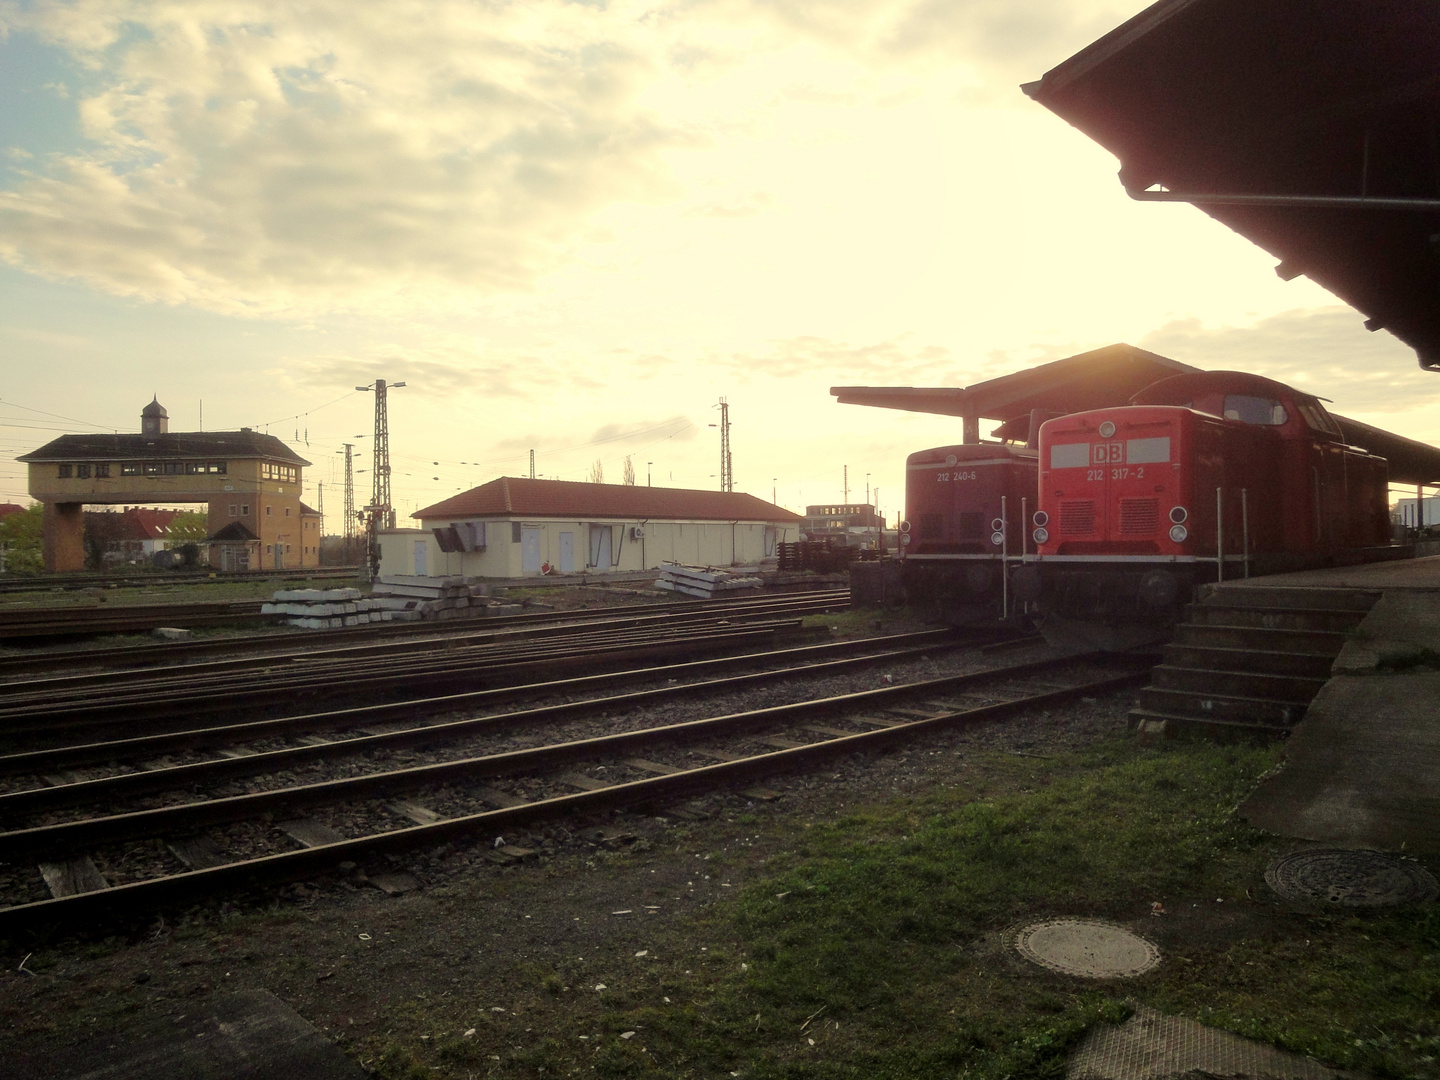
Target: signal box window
{"points": [[82, 471], [64, 471], [102, 470], [1255, 410]]}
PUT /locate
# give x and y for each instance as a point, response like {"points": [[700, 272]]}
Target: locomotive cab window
{"points": [[1249, 409], [1317, 418]]}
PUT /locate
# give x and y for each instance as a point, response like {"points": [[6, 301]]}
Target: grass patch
{"points": [[873, 946]]}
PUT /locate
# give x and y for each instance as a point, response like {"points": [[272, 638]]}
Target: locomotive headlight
{"points": [[1041, 536], [997, 538], [905, 527], [1178, 514], [996, 524], [1178, 533], [904, 538], [1041, 518], [1107, 429]]}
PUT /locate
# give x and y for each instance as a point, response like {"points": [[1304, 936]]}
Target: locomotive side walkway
{"points": [[1363, 768]]}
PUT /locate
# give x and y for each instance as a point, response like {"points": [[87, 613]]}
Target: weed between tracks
{"points": [[870, 944]]}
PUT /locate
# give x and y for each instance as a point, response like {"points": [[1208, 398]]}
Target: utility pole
{"points": [[320, 498], [846, 498], [349, 504], [532, 464], [647, 472], [381, 513], [727, 476]]}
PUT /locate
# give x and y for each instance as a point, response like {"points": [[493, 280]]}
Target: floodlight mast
{"points": [[380, 514]]}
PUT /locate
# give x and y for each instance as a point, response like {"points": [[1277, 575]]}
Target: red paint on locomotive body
{"points": [[1142, 480], [953, 497]]}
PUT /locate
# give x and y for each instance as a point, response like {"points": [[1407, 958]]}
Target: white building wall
{"points": [[705, 543]]}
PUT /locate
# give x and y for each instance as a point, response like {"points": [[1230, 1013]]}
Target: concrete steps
{"points": [[1247, 661]]}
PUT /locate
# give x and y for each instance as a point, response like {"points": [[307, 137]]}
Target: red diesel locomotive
{"points": [[1208, 475], [965, 509]]}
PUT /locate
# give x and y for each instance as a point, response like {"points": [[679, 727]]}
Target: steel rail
{"points": [[129, 749], [32, 622], [153, 691], [190, 775], [504, 671], [51, 582], [167, 694], [71, 836], [390, 635], [126, 899]]}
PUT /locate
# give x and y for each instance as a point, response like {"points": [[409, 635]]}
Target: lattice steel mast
{"points": [[381, 515]]}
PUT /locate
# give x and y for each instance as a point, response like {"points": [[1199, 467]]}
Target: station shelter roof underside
{"points": [[1101, 379], [1310, 127], [1097, 379]]}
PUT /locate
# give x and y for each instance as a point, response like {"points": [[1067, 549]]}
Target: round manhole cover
{"points": [[1350, 878], [1086, 947]]}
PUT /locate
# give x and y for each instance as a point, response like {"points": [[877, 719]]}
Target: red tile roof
{"points": [[6, 509], [513, 496]]}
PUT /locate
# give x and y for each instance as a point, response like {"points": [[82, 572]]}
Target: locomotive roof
{"points": [[1091, 380], [1307, 128], [1410, 462]]}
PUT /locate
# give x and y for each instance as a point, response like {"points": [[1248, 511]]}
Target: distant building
{"points": [[133, 535], [241, 477], [857, 524], [516, 527]]}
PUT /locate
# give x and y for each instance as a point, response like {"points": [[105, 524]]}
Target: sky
{"points": [[574, 227]]}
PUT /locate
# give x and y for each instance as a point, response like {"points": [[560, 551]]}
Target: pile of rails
{"points": [[394, 598], [706, 581], [830, 555]]}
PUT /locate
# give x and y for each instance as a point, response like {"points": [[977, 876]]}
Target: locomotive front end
{"points": [[1114, 531]]}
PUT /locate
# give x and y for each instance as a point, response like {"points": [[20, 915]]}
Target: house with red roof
{"points": [[518, 527]]}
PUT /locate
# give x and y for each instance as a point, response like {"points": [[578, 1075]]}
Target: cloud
{"points": [[439, 369], [892, 362], [285, 160], [1324, 351], [261, 158]]}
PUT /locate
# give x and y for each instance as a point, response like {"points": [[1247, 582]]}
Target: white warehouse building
{"points": [[515, 527]]}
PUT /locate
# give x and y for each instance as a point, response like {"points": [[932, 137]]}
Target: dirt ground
{"points": [[513, 955]]}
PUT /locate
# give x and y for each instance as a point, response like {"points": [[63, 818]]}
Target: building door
{"points": [[422, 549], [529, 551], [279, 556], [567, 552]]}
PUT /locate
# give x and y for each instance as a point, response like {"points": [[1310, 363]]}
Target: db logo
{"points": [[1106, 453]]}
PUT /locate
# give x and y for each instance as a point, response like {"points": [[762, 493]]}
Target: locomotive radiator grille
{"points": [[1077, 517], [1139, 517], [972, 525]]}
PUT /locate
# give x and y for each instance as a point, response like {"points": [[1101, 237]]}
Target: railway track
{"points": [[70, 582], [29, 711], [378, 636], [251, 813], [40, 622]]}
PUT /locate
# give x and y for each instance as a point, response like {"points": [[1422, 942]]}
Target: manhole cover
{"points": [[1350, 878], [1086, 947]]}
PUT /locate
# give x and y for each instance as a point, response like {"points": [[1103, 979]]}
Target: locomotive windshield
{"points": [[1255, 410]]}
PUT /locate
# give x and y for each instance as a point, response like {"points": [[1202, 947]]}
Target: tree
{"points": [[188, 526], [629, 479], [597, 473], [20, 550]]}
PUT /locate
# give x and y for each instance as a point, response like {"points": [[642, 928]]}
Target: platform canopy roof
{"points": [[1097, 379], [1310, 127]]}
